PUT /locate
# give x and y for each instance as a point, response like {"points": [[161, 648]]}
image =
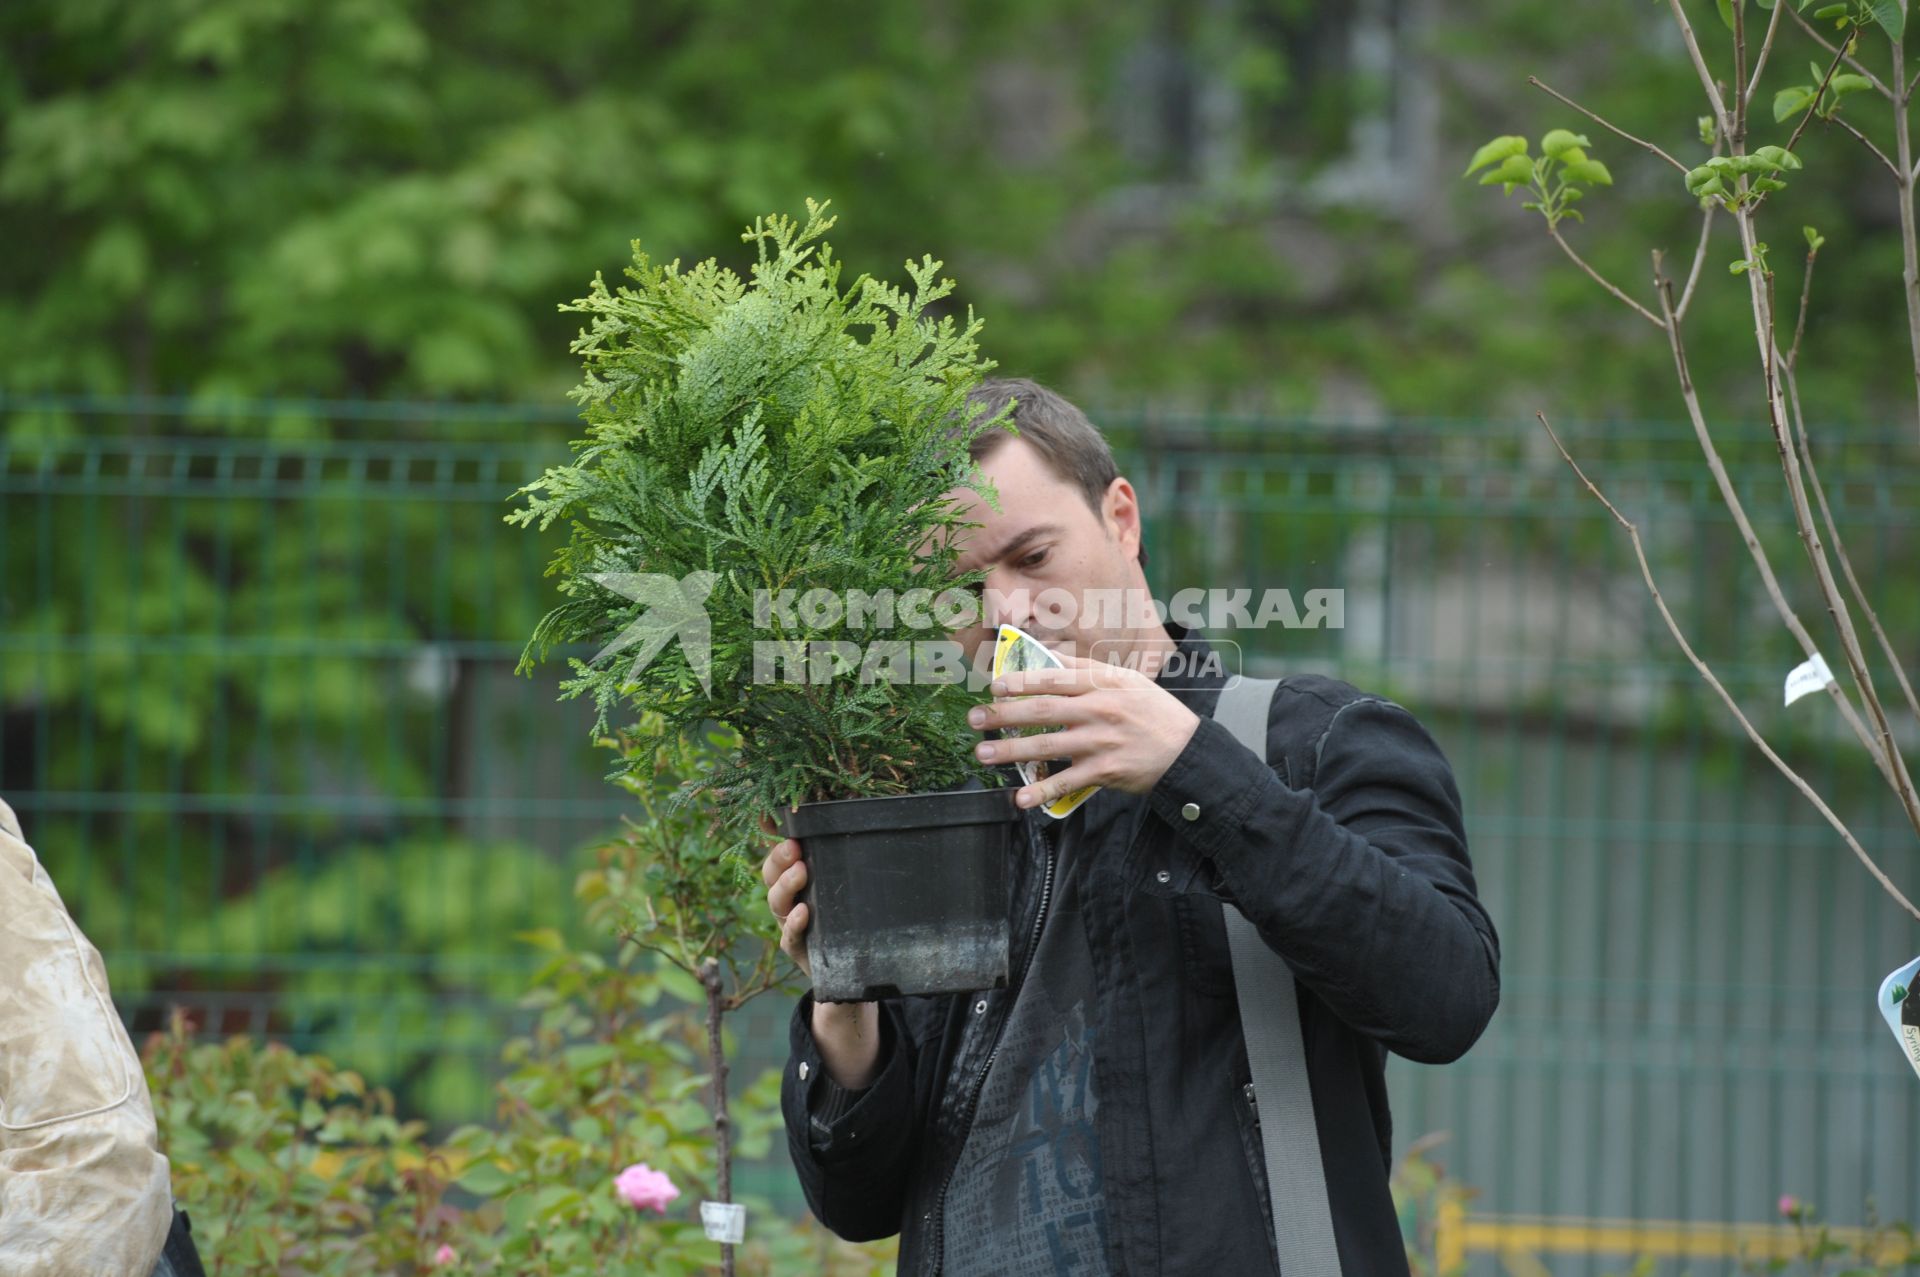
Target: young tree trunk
{"points": [[1903, 181], [722, 1125]]}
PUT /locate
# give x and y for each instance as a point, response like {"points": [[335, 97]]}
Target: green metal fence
{"points": [[258, 715]]}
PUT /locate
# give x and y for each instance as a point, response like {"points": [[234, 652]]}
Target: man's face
{"points": [[1046, 552]]}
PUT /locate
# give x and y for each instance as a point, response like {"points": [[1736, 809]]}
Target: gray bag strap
{"points": [[1270, 1022]]}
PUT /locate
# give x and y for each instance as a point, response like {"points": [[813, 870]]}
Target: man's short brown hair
{"points": [[1071, 445]]}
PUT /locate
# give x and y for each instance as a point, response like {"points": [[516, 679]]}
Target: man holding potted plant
{"points": [[1106, 1105], [1098, 1114]]}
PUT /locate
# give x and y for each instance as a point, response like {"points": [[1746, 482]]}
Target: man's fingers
{"points": [[1031, 711], [782, 891], [1055, 786], [1044, 747], [785, 874], [1066, 682], [783, 853], [793, 938], [1081, 674], [795, 927]]}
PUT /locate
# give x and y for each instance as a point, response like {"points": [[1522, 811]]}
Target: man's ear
{"points": [[1120, 511]]}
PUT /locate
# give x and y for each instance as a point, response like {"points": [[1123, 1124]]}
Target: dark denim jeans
{"points": [[179, 1258]]}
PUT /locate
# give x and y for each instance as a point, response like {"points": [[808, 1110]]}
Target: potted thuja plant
{"points": [[763, 523]]}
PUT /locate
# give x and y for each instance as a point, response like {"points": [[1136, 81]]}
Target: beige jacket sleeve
{"points": [[84, 1191]]}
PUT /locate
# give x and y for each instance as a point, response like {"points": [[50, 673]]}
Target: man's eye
{"points": [[1034, 560]]}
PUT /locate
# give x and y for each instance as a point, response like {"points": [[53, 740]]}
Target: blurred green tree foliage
{"points": [[1247, 199]]}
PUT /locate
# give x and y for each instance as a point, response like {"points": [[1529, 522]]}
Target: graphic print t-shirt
{"points": [[1025, 1199]]}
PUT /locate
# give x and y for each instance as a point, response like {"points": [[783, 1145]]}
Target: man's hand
{"points": [[1122, 729], [785, 874], [847, 1033]]}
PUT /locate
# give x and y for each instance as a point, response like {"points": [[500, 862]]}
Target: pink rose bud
{"points": [[1789, 1206], [445, 1257], [645, 1188]]}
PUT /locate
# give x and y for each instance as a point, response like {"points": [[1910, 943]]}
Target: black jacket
{"points": [[1348, 854]]}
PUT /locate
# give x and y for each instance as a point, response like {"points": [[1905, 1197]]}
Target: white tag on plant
{"points": [[1811, 675], [1899, 1002], [724, 1221]]}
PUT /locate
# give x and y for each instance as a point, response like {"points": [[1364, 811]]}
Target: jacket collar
{"points": [[1197, 670]]}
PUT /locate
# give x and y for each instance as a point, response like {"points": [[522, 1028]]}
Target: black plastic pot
{"points": [[906, 895]]}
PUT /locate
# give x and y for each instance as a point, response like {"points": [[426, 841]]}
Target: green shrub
{"points": [[287, 1164], [767, 435]]}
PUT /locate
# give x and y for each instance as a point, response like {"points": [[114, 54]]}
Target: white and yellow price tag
{"points": [[1015, 651]]}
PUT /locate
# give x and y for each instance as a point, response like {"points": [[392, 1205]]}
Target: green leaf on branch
{"points": [[1768, 184], [1501, 148], [556, 1201], [1758, 262], [1772, 159], [1890, 14], [589, 1057], [1847, 82], [484, 1179], [1814, 238], [1558, 142], [1515, 170], [1726, 12], [1703, 181], [681, 985], [1592, 172]]}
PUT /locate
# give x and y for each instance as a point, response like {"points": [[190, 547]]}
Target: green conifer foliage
{"points": [[782, 434]]}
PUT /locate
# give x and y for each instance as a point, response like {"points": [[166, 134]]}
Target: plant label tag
{"points": [[1016, 651], [724, 1221], [1810, 676], [1900, 1005]]}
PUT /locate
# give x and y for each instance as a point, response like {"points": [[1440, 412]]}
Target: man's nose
{"points": [[1004, 603]]}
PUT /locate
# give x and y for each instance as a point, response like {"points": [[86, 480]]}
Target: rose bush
{"points": [[603, 1139]]}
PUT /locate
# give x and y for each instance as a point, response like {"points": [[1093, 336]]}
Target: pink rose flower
{"points": [[1789, 1205], [445, 1257], [645, 1188]]}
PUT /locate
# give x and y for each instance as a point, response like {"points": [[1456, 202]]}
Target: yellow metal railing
{"points": [[1458, 1235]]}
